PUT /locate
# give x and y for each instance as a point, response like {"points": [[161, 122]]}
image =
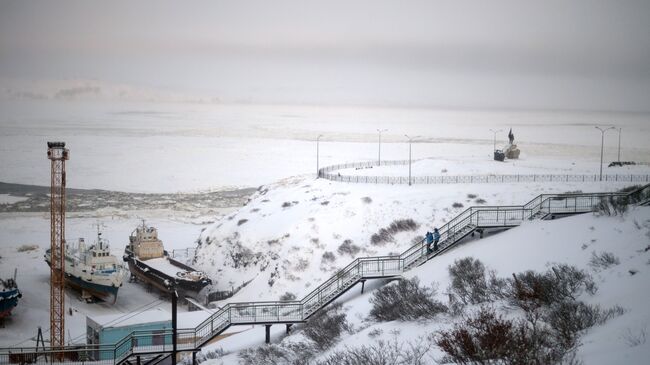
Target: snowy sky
{"points": [[581, 54]]}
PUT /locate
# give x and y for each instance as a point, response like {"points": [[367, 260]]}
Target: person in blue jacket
{"points": [[436, 238], [429, 238]]}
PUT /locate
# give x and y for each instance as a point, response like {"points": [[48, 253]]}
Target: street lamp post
{"points": [[379, 157], [602, 147], [317, 155], [619, 144], [410, 141], [495, 138]]}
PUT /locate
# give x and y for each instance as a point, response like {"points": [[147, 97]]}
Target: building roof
{"points": [[130, 319]]}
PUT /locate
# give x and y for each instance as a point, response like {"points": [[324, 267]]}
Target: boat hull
{"points": [[8, 301], [107, 293], [160, 280], [103, 292]]}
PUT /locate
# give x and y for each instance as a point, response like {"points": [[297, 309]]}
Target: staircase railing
{"points": [[141, 342]]}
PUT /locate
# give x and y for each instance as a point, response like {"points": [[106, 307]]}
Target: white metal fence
{"points": [[330, 173]]}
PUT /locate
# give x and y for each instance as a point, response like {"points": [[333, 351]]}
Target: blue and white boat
{"points": [[93, 270], [9, 295]]}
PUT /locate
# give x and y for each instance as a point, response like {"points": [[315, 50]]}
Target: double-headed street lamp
{"points": [[317, 155], [410, 140], [495, 137], [379, 157], [602, 146]]}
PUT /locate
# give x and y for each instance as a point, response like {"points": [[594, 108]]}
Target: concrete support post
{"points": [[289, 327], [268, 333], [174, 325]]}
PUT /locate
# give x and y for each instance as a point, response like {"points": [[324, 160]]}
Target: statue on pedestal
{"points": [[512, 152]]}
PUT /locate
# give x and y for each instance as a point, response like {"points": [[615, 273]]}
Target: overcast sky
{"points": [[580, 54]]}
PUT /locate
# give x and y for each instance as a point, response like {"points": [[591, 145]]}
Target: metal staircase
{"points": [[473, 219]]}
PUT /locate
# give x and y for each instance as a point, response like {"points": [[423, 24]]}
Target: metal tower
{"points": [[58, 154]]}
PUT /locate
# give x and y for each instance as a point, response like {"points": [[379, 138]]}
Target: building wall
{"points": [[112, 335]]}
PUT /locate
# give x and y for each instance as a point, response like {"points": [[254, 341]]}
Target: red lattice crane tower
{"points": [[58, 154]]}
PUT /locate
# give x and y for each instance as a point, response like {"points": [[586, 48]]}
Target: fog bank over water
{"points": [[578, 55]]}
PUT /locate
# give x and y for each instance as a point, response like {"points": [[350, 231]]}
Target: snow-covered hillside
{"points": [[536, 245], [296, 233]]}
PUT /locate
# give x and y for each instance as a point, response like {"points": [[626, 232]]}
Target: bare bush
{"points": [[405, 300], [488, 338], [287, 297], [349, 248], [571, 281], [468, 280], [612, 205], [241, 221], [328, 257], [25, 248], [366, 200], [382, 353], [471, 196], [569, 318], [326, 326], [603, 261], [375, 333], [290, 354], [205, 355], [480, 201], [386, 234], [457, 205], [635, 338], [301, 264], [530, 290]]}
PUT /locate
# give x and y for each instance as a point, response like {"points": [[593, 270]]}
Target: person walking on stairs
{"points": [[429, 238], [436, 239]]}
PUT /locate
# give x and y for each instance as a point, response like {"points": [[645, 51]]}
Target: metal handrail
{"points": [[359, 269]]}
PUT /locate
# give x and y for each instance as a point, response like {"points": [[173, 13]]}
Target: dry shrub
{"points": [[569, 318], [530, 290], [349, 248], [405, 300], [383, 353], [468, 280], [287, 297], [612, 205], [603, 261], [25, 248], [488, 338], [290, 354], [326, 326], [328, 257], [386, 234]]}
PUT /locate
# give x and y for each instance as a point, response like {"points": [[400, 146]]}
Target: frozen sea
{"points": [[149, 147]]}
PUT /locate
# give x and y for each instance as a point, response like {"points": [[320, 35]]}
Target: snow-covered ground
{"points": [[536, 245], [289, 237]]}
